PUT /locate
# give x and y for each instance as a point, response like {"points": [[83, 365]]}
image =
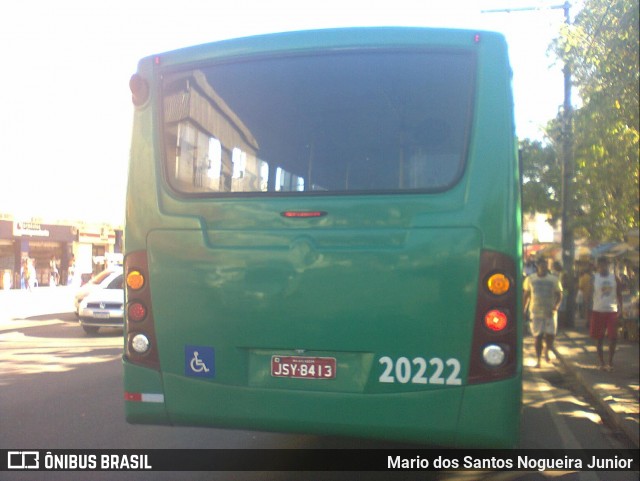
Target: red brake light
{"points": [[136, 311], [139, 90], [303, 213], [495, 320]]}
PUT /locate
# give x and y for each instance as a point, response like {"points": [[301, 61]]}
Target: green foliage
{"points": [[541, 180], [602, 50]]}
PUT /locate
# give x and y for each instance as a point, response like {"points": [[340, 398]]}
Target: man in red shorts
{"points": [[606, 310]]}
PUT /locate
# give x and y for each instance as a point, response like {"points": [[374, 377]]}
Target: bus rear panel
{"points": [[322, 236]]}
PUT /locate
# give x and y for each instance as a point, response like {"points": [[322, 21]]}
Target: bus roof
{"points": [[328, 39]]}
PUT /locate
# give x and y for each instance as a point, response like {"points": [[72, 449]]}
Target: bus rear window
{"points": [[350, 122]]}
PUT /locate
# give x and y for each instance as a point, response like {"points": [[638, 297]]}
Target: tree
{"points": [[602, 49], [540, 179]]}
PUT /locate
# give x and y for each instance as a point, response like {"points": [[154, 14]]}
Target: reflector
{"points": [[132, 396]]}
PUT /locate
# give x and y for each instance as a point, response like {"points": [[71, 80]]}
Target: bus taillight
{"points": [[493, 355], [496, 320], [139, 90], [141, 347], [140, 343], [494, 349], [135, 280], [136, 311], [498, 283]]}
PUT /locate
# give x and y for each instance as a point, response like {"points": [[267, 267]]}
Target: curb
{"points": [[611, 416]]}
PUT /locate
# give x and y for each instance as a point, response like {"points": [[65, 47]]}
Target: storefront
{"points": [[96, 249], [42, 243], [78, 251], [7, 254]]}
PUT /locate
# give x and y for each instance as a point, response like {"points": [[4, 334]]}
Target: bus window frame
{"points": [[178, 194]]}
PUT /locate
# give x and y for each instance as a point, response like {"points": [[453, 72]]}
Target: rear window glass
{"points": [[356, 122]]}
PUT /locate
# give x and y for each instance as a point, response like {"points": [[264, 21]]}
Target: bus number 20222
{"points": [[420, 371]]}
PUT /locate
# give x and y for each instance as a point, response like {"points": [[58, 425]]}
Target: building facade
{"points": [[60, 252]]}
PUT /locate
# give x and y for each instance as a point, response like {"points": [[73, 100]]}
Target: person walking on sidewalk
{"points": [[542, 296], [606, 310]]}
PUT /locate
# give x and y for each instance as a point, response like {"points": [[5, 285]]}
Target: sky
{"points": [[65, 104]]}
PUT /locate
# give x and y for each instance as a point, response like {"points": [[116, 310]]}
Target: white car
{"points": [[99, 281], [103, 306]]}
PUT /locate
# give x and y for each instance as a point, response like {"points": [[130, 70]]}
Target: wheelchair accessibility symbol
{"points": [[199, 361], [197, 365]]}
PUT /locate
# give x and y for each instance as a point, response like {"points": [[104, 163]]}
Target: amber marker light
{"points": [[135, 280], [498, 284]]}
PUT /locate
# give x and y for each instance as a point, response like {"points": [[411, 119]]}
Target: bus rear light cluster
{"points": [[141, 347], [495, 336]]}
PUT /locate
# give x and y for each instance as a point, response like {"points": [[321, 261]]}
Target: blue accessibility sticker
{"points": [[199, 361]]}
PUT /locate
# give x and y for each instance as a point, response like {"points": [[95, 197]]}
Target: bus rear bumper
{"points": [[490, 414], [483, 415], [144, 396]]}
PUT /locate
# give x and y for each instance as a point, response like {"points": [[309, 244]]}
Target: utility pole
{"points": [[568, 248], [568, 174]]}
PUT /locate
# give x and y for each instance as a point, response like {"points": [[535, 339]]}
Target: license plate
{"points": [[299, 367], [101, 315]]}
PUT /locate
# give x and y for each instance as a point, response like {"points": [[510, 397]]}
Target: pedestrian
{"points": [[72, 271], [24, 271], [542, 297], [28, 274], [585, 289], [529, 266], [54, 275], [606, 310], [33, 275]]}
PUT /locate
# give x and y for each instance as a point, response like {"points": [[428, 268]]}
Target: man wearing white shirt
{"points": [[606, 310]]}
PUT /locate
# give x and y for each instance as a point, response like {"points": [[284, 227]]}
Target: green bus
{"points": [[323, 236]]}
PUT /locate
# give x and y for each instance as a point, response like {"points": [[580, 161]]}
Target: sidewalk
{"points": [[17, 306], [615, 393]]}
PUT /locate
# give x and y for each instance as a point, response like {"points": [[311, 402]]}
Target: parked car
{"points": [[103, 306], [99, 281]]}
